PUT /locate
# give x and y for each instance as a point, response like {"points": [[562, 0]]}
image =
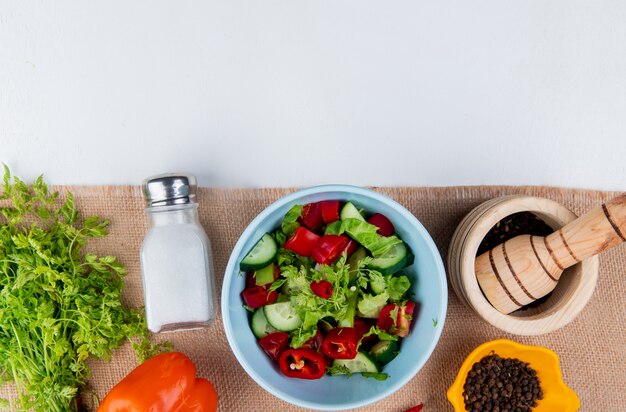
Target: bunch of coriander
{"points": [[58, 305]]}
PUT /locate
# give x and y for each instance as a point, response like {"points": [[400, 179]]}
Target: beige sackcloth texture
{"points": [[591, 348]]}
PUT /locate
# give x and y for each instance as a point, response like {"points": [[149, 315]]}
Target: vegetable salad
{"points": [[327, 292]]}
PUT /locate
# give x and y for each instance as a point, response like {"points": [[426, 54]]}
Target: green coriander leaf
{"points": [[290, 221], [375, 375]]}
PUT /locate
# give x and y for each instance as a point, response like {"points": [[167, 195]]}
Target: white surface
{"points": [[295, 93]]}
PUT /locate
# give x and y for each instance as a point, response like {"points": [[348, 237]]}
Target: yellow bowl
{"points": [[556, 395]]}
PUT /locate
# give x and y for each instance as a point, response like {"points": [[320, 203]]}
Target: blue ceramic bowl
{"points": [[340, 392]]}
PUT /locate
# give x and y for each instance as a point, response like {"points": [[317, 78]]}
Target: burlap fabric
{"points": [[591, 348]]}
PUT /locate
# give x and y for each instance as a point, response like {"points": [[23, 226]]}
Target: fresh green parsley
{"points": [[58, 305]]}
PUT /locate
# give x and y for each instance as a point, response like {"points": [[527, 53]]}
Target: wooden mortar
{"points": [[526, 268]]}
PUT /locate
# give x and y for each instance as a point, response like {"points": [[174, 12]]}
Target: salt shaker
{"points": [[176, 261]]}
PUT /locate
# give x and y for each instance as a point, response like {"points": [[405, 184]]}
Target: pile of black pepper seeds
{"points": [[501, 385], [521, 223]]}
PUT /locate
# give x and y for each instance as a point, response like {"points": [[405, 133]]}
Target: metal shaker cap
{"points": [[170, 189]]}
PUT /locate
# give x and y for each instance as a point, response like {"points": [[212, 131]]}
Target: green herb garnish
{"points": [[58, 305]]}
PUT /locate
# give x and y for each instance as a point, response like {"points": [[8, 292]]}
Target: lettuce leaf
{"points": [[370, 305], [397, 286], [366, 234]]}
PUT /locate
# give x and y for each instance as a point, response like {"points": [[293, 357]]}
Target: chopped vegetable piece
{"points": [[370, 306], [315, 342], [341, 343], [361, 328], [322, 288], [396, 319], [367, 235], [329, 248], [282, 316], [351, 247], [405, 316], [361, 362], [417, 408], [262, 254], [290, 221], [274, 344], [166, 382], [312, 216], [330, 211], [258, 296], [384, 351], [302, 242], [266, 275], [260, 326], [384, 225], [392, 260], [349, 211], [302, 364]]}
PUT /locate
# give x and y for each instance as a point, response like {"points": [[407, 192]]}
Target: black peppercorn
{"points": [[497, 384]]}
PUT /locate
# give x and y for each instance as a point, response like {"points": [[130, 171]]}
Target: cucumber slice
{"points": [[361, 363], [384, 351], [259, 325], [392, 261], [353, 260], [349, 211], [262, 254], [282, 316], [265, 275]]}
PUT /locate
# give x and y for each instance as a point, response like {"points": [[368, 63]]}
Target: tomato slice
{"points": [[384, 225], [312, 215], [405, 316], [302, 242], [257, 296], [385, 319], [330, 211], [322, 288], [274, 344], [400, 324], [329, 248]]}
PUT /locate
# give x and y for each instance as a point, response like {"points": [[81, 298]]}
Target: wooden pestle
{"points": [[525, 268]]}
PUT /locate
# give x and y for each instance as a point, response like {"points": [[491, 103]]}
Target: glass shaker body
{"points": [[177, 270]]}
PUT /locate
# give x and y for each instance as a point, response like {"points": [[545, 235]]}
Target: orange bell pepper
{"points": [[164, 383]]}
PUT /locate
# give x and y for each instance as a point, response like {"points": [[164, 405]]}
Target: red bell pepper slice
{"points": [[274, 344], [330, 211], [312, 215], [329, 248], [417, 408], [351, 247], [302, 241], [258, 296], [402, 322], [361, 328], [341, 343], [302, 364], [384, 225], [322, 288], [315, 342]]}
